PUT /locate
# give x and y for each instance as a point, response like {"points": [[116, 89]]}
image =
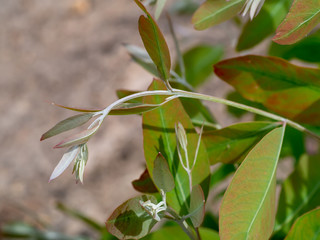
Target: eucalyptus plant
{"points": [[187, 153]]}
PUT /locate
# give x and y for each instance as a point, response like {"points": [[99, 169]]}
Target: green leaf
{"points": [[248, 206], [162, 176], [141, 57], [303, 16], [130, 220], [300, 193], [308, 49], [176, 233], [306, 226], [213, 12], [197, 206], [198, 63], [284, 88], [154, 43], [232, 144], [159, 136], [67, 124], [78, 138], [264, 24]]}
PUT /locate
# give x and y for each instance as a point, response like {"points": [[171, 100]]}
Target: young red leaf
{"points": [[248, 206], [303, 16], [162, 176], [130, 220], [77, 109], [213, 12], [155, 43], [144, 184], [67, 124], [284, 88]]}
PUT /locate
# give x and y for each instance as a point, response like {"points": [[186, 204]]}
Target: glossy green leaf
{"points": [[130, 220], [154, 43], [197, 206], [248, 207], [308, 49], [78, 138], [303, 16], [306, 226], [67, 124], [176, 233], [198, 63], [284, 88], [264, 24], [144, 184], [232, 144], [162, 176], [300, 193], [141, 57], [213, 12], [159, 136]]}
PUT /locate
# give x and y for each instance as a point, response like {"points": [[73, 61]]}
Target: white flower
{"points": [[254, 6], [153, 209]]}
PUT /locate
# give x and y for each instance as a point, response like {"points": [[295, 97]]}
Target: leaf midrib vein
{"points": [[212, 14]]}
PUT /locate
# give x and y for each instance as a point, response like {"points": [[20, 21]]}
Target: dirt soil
{"points": [[71, 52]]}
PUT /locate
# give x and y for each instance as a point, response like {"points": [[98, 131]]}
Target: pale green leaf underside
{"points": [[248, 207]]}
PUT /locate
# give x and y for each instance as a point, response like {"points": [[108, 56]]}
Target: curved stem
{"points": [[199, 96]]}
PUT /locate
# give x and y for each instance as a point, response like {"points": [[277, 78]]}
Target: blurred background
{"points": [[71, 52]]}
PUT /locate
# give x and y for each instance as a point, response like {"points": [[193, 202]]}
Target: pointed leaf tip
{"points": [[65, 161], [162, 176]]}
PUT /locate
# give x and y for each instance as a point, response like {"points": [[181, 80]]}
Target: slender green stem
{"points": [[199, 96], [181, 223], [176, 43], [186, 94]]}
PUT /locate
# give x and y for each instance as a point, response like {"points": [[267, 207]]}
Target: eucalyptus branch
{"points": [[185, 94]]}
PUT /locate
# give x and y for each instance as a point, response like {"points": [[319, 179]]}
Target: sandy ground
{"points": [[71, 52]]}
